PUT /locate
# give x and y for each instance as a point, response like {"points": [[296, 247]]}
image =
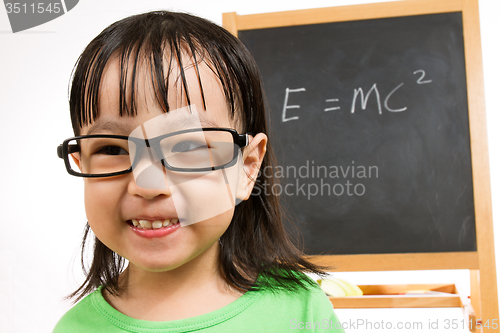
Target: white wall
{"points": [[42, 206]]}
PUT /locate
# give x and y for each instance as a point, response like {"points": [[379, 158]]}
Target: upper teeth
{"points": [[145, 224]]}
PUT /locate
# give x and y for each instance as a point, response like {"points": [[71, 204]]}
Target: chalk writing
{"points": [[364, 100], [333, 108], [419, 81], [286, 106], [389, 96], [359, 94]]}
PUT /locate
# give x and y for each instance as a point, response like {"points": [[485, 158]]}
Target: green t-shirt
{"points": [[255, 311]]}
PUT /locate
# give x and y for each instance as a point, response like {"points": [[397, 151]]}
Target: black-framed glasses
{"points": [[190, 150]]}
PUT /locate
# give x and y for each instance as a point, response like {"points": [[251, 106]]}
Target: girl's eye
{"points": [[112, 150], [188, 146]]}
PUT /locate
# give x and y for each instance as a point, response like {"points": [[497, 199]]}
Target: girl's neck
{"points": [[193, 289]]}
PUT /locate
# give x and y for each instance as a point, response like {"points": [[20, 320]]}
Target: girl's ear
{"points": [[77, 161], [253, 154]]}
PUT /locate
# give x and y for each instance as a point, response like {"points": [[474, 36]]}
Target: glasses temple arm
{"points": [[71, 149], [242, 140], [60, 151]]}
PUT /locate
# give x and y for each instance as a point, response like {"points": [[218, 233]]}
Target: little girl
{"points": [[171, 133]]}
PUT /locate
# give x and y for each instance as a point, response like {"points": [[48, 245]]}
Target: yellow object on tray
{"points": [[339, 288]]}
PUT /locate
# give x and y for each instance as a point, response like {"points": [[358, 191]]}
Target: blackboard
{"points": [[387, 99]]}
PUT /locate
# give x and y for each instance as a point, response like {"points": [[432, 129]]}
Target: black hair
{"points": [[256, 243]]}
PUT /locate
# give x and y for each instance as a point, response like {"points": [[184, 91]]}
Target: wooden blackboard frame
{"points": [[481, 262]]}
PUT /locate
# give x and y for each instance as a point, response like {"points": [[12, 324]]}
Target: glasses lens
{"points": [[199, 149], [97, 156]]}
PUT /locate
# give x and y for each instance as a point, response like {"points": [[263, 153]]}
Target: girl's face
{"points": [[112, 203]]}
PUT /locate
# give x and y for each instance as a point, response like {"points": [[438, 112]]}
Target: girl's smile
{"points": [[153, 228]]}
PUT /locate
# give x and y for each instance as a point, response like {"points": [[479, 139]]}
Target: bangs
{"points": [[156, 42]]}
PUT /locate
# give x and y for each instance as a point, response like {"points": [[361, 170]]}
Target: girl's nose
{"points": [[150, 182]]}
